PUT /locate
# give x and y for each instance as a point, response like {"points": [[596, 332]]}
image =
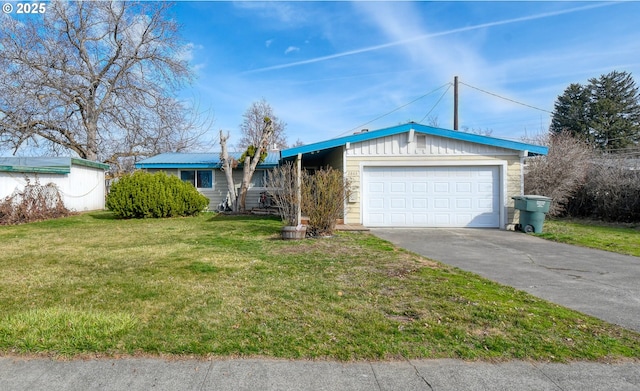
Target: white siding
{"points": [[422, 145], [218, 193], [83, 189]]}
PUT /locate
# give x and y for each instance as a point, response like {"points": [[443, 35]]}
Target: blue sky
{"points": [[331, 68]]}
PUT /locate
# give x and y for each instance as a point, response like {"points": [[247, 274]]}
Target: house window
{"points": [[202, 179], [259, 178]]}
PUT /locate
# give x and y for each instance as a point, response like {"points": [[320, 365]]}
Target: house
{"points": [[80, 182], [413, 175], [409, 175], [203, 171]]}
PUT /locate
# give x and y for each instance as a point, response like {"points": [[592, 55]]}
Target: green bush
{"points": [[142, 195]]}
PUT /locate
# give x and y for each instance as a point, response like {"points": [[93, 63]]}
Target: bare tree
{"points": [[252, 127], [283, 188], [478, 131], [249, 161], [96, 78], [298, 143], [561, 173], [432, 120]]}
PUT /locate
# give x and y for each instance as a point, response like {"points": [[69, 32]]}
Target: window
{"points": [[202, 179], [188, 176], [259, 178], [421, 141]]}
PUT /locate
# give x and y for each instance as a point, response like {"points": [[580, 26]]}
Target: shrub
{"points": [[559, 174], [35, 202], [142, 195], [323, 196], [281, 182], [610, 192]]}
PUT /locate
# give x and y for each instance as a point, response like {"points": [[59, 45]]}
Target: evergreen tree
{"points": [[615, 110], [571, 112], [605, 112]]}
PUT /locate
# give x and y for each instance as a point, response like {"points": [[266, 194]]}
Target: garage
{"points": [[447, 196], [413, 175]]}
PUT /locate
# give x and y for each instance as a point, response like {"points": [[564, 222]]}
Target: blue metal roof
{"points": [[48, 165], [198, 160], [418, 128]]}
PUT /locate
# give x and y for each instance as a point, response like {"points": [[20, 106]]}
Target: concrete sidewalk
{"points": [[133, 374], [599, 283]]}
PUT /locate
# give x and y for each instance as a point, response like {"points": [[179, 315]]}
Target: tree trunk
{"points": [[251, 162], [227, 167], [247, 173]]}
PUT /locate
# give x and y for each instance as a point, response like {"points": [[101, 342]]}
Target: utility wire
{"points": [[507, 99], [438, 102], [394, 110]]}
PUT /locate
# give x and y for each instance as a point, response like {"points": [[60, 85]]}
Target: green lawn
{"points": [[602, 236], [227, 286]]}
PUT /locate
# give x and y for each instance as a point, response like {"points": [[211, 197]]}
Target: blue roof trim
{"points": [[453, 134], [197, 160]]}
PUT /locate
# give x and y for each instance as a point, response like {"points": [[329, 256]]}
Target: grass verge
{"points": [[227, 286], [598, 235]]}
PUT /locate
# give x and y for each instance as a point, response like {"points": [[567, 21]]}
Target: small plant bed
{"points": [[619, 238], [223, 286]]}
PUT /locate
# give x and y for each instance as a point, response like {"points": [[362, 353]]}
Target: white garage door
{"points": [[431, 196]]}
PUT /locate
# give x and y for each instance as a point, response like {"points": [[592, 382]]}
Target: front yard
{"points": [[227, 286], [619, 238]]}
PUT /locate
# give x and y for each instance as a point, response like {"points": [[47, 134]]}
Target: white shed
{"points": [[81, 182]]}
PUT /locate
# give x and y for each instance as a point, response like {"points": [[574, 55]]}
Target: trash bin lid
{"points": [[531, 197]]}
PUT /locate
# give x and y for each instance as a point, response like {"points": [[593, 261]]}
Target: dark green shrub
{"points": [[142, 195]]}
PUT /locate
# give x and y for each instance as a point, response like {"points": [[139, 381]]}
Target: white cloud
{"points": [[268, 42], [408, 37], [291, 49], [185, 53], [284, 12]]}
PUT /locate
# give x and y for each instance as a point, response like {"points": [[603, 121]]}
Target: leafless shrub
{"points": [[323, 195], [35, 202], [281, 183], [561, 173], [611, 192]]}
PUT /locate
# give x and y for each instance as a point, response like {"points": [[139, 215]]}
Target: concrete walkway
{"points": [[599, 283], [133, 374]]}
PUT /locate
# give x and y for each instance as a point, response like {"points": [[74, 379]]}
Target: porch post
{"points": [[299, 186]]}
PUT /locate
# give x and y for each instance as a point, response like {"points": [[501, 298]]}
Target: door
{"points": [[451, 196]]}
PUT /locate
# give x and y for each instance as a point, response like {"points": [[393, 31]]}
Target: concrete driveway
{"points": [[599, 283]]}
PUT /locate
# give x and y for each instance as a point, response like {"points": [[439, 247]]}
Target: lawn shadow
{"points": [[103, 215], [242, 217]]}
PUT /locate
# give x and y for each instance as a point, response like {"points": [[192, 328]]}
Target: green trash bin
{"points": [[532, 209]]}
